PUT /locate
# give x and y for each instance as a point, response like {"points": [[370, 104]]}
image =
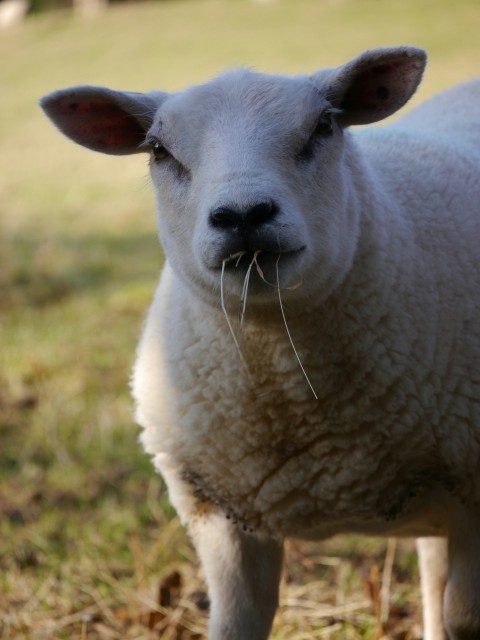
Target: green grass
{"points": [[86, 531]]}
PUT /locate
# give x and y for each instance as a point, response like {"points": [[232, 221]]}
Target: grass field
{"points": [[89, 546]]}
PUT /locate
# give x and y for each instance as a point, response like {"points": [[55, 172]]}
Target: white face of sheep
{"points": [[250, 166], [249, 171]]}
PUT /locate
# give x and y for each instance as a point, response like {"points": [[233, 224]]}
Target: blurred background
{"points": [[89, 546]]}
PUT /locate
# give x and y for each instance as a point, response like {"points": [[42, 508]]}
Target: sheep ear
{"points": [[374, 85], [113, 122]]}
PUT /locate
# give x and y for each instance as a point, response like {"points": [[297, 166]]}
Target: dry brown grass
{"points": [[332, 596]]}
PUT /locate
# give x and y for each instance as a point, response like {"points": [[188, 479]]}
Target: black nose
{"points": [[233, 218]]}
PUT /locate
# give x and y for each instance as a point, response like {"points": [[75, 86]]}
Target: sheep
{"points": [[346, 397]]}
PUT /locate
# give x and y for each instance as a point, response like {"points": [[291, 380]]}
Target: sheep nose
{"points": [[254, 216]]}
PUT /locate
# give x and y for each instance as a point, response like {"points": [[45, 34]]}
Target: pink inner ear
{"points": [[99, 124], [380, 89]]}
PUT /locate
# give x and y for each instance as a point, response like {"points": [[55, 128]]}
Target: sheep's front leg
{"points": [[462, 593], [243, 575], [432, 553]]}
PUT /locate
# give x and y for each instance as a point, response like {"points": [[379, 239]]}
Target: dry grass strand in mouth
{"points": [[243, 301], [288, 331], [243, 297], [225, 312], [277, 284]]}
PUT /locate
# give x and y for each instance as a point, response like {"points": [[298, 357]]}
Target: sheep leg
{"points": [[462, 593], [243, 575], [432, 555]]}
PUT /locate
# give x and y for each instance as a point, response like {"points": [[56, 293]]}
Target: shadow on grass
{"points": [[41, 272]]}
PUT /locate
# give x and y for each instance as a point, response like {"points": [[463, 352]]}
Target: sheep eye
{"points": [[323, 129], [159, 151], [161, 154], [324, 125]]}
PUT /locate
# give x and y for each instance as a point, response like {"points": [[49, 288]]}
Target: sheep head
{"points": [[249, 164]]}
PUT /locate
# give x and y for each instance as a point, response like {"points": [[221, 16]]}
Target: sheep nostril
{"points": [[254, 216], [225, 218], [261, 213]]}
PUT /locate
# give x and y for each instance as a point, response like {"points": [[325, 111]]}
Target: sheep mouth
{"points": [[264, 261], [261, 270]]}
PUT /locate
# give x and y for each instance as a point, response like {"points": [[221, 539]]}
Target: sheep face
{"points": [[265, 176]]}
